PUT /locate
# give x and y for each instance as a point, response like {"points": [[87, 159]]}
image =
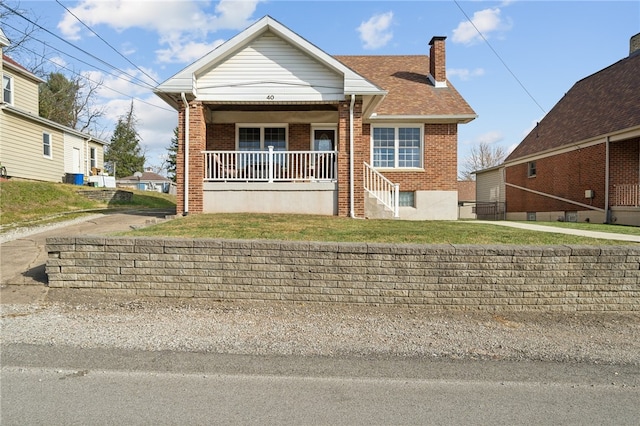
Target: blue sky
{"points": [[529, 55]]}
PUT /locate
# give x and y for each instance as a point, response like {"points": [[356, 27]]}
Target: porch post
{"points": [[197, 144]]}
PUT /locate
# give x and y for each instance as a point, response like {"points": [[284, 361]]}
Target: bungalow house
{"points": [[274, 124], [582, 161], [32, 147], [146, 181]]}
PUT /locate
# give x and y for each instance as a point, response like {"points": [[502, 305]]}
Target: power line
{"points": [[74, 46], [107, 43], [498, 56], [73, 57]]}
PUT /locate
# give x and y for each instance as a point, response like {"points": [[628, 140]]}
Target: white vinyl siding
{"points": [[397, 146], [490, 186], [25, 92], [270, 70]]}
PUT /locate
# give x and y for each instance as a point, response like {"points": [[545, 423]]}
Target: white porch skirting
{"points": [[262, 197]]}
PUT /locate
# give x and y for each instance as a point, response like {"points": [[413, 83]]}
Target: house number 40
{"points": [[271, 97]]}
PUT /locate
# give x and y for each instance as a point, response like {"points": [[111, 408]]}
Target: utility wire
{"points": [[498, 56], [107, 43], [58, 65], [73, 57], [74, 46]]}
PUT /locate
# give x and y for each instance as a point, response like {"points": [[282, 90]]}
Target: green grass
{"points": [[335, 229], [26, 203]]}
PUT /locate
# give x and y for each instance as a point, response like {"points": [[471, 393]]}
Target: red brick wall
{"points": [[221, 137], [299, 137], [624, 159], [197, 144], [361, 148], [440, 160], [565, 175]]}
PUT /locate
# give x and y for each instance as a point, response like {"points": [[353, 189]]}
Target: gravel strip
{"points": [[286, 329]]}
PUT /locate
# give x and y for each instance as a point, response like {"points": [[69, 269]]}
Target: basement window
{"points": [[407, 199], [531, 216]]}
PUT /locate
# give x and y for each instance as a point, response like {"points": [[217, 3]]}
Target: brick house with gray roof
{"points": [[582, 160], [270, 123]]}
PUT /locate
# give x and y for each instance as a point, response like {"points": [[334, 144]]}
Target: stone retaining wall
{"points": [[107, 195], [492, 278]]}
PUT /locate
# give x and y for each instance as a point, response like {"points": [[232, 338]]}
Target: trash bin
{"points": [[77, 178]]}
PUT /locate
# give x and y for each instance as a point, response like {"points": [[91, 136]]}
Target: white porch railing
{"points": [[387, 192], [270, 166], [626, 195]]}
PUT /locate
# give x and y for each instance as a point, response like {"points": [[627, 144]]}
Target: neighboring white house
{"points": [[32, 147]]}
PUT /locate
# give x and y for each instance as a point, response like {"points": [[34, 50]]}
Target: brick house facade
{"points": [[273, 124], [582, 161]]}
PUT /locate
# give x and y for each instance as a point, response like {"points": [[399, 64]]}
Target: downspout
{"points": [[351, 180], [186, 154], [607, 212]]}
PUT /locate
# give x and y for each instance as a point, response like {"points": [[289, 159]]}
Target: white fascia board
{"points": [[49, 123], [4, 41], [453, 118]]}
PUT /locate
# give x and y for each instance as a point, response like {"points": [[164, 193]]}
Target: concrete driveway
{"points": [[23, 254]]}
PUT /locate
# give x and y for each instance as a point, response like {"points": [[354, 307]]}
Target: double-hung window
{"points": [[259, 138], [46, 145], [7, 89], [397, 146]]}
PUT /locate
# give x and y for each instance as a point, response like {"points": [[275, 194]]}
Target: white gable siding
{"points": [[270, 69], [25, 92]]}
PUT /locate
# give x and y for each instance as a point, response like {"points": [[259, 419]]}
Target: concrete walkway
{"points": [[23, 254], [579, 232]]}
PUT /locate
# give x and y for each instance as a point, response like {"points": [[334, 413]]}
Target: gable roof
{"points": [[15, 66], [596, 106], [184, 81], [411, 93]]}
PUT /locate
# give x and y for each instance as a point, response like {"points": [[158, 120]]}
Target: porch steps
{"points": [[375, 209]]}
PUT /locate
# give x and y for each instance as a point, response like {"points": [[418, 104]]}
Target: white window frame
{"points": [[93, 157], [396, 147], [47, 141], [263, 126], [321, 127], [10, 80], [532, 169]]}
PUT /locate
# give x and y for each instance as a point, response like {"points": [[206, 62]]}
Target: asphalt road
{"points": [[64, 385]]}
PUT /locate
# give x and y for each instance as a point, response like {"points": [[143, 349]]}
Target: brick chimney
{"points": [[437, 71], [634, 45]]}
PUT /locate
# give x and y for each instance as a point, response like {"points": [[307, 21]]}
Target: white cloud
{"points": [[491, 137], [181, 24], [465, 74], [182, 51], [485, 21], [375, 32]]}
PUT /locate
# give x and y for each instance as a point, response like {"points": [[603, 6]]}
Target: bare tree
{"points": [[482, 156]]}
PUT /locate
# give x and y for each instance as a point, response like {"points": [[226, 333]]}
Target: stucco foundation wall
{"points": [[491, 278], [295, 198]]}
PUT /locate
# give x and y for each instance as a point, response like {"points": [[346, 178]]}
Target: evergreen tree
{"points": [[124, 152], [57, 98], [172, 156]]}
